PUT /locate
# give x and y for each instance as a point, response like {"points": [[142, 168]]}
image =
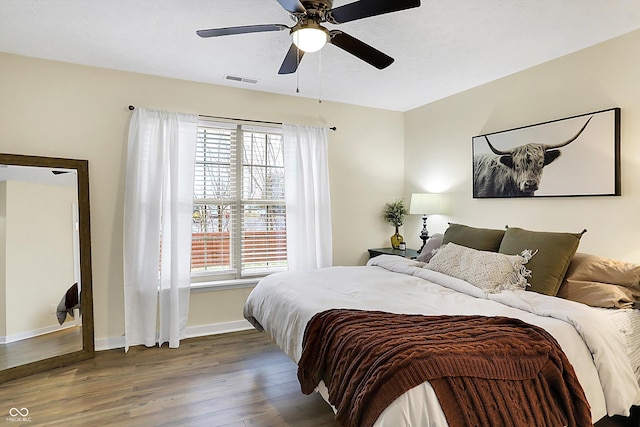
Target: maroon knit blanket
{"points": [[486, 371]]}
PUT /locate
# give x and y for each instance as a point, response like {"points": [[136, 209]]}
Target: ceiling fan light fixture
{"points": [[308, 34], [310, 38]]}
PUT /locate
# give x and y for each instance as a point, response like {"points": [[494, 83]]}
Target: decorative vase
{"points": [[396, 239]]}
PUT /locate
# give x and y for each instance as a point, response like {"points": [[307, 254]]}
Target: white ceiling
{"points": [[441, 48]]}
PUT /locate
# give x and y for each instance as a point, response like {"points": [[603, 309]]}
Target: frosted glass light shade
{"points": [[310, 39]]}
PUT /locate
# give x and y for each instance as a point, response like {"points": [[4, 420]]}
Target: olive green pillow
{"points": [[482, 239], [554, 253]]}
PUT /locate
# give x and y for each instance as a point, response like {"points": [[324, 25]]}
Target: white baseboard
{"points": [[218, 328], [6, 339], [109, 343], [191, 332]]}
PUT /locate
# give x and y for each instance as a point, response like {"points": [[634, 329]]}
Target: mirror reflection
{"points": [[42, 309]]}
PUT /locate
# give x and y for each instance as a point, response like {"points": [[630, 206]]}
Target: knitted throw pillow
{"points": [[490, 271]]}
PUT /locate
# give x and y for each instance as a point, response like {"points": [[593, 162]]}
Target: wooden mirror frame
{"points": [[86, 298]]}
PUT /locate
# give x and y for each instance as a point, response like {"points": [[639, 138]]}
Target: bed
{"points": [[601, 344]]}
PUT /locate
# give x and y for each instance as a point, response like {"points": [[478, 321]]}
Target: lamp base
{"points": [[424, 234]]}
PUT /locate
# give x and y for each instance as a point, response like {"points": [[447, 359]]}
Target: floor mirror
{"points": [[46, 299]]}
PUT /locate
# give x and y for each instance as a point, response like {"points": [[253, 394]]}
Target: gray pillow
{"points": [[432, 243], [68, 303]]}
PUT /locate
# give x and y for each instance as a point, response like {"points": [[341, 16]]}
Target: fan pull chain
{"points": [[298, 71], [320, 77]]}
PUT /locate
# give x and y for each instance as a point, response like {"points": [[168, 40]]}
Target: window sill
{"points": [[223, 285]]}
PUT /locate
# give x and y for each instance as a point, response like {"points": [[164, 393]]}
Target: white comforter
{"points": [[283, 303]]}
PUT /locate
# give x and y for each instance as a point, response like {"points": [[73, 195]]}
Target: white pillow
{"points": [[490, 271]]}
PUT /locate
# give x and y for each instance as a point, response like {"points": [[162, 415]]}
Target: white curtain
{"points": [[158, 211], [308, 203]]}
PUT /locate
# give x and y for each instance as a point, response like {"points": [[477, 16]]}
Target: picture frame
{"points": [[569, 157]]}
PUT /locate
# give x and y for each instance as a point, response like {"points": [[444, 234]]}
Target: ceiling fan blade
{"points": [[360, 49], [366, 8], [293, 6], [291, 60], [215, 32]]}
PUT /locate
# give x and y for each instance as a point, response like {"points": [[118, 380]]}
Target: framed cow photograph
{"points": [[574, 156]]}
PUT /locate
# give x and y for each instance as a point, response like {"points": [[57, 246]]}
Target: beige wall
{"points": [[3, 245], [438, 146], [39, 259], [56, 109]]}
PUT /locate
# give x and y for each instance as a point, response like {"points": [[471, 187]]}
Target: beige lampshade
{"points": [[427, 204]]}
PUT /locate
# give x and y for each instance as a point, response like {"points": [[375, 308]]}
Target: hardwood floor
{"points": [[40, 347], [236, 380], [240, 379]]}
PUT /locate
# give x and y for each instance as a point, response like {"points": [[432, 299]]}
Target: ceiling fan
{"points": [[308, 35]]}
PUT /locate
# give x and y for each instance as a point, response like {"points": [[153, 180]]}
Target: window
{"points": [[239, 227]]}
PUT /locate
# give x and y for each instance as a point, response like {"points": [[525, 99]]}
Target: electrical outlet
{"points": [[53, 308]]}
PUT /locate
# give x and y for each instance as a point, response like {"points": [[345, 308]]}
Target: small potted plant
{"points": [[394, 213]]}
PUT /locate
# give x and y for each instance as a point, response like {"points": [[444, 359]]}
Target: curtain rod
{"points": [[132, 107]]}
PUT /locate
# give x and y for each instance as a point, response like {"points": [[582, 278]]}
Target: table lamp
{"points": [[425, 204]]}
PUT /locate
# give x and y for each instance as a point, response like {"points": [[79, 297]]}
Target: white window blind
{"points": [[239, 225]]}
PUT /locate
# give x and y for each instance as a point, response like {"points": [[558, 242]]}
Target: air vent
{"points": [[241, 79]]}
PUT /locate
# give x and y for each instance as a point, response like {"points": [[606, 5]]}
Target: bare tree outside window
{"points": [[239, 223]]}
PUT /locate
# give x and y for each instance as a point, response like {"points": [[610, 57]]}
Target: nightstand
{"points": [[407, 253]]}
